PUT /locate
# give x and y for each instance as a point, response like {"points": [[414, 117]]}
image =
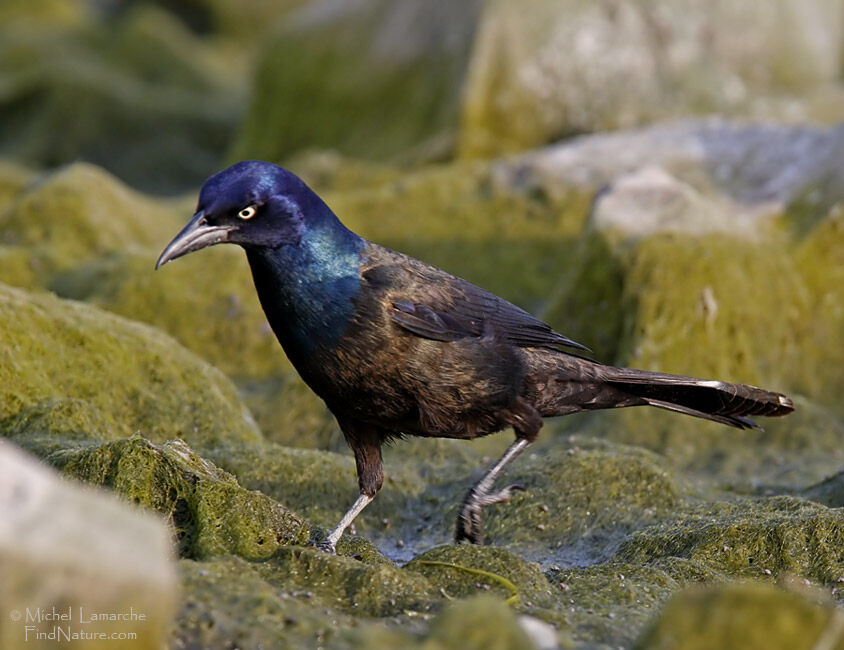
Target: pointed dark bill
{"points": [[197, 234]]}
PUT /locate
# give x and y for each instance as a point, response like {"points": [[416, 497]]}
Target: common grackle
{"points": [[395, 346]]}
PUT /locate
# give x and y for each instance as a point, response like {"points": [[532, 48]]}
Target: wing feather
{"points": [[436, 305]]}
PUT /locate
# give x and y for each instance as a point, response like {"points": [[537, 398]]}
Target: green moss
{"points": [[227, 603], [287, 411], [351, 585], [392, 100], [465, 570], [207, 302], [132, 376], [19, 267], [118, 92], [743, 616], [477, 623], [587, 304], [210, 513], [60, 12], [610, 603], [690, 300], [497, 115], [78, 214], [561, 515], [320, 485], [750, 538], [819, 260], [13, 179]]}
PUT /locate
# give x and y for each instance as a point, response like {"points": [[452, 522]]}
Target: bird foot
{"points": [[324, 545], [470, 519]]}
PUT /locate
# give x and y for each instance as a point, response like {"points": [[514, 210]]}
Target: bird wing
{"points": [[436, 305]]}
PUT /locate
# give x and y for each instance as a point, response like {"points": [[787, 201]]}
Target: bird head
{"points": [[251, 203]]}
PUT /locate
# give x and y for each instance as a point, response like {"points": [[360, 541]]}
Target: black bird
{"points": [[395, 346]]}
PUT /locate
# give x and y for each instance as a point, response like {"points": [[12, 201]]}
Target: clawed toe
{"points": [[502, 496], [470, 519], [323, 545]]}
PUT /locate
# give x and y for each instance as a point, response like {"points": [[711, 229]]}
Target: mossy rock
{"points": [[65, 13], [13, 179], [610, 603], [231, 601], [118, 92], [750, 538], [245, 24], [227, 602], [818, 258], [207, 302], [744, 616], [468, 569], [829, 492], [78, 214], [528, 82], [365, 588], [394, 68], [560, 515], [477, 623], [209, 511], [69, 368]]}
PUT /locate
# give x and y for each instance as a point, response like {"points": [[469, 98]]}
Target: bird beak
{"points": [[197, 234]]}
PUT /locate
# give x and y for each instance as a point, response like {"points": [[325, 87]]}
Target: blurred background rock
{"points": [[661, 180]]}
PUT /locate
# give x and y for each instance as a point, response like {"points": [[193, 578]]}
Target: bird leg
{"points": [[469, 520], [365, 442], [329, 544]]}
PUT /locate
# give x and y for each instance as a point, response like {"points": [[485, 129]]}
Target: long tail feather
{"points": [[719, 401]]}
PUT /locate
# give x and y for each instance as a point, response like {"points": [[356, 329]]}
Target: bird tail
{"points": [[718, 401]]}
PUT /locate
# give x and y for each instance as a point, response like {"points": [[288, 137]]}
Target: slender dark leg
{"points": [[469, 520]]}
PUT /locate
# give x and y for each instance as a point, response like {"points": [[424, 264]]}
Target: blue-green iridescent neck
{"points": [[308, 290]]}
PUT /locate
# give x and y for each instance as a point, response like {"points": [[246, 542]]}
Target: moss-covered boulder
{"points": [[78, 561], [229, 600], [744, 616], [210, 513], [561, 516], [71, 370], [567, 67], [134, 91], [14, 178], [775, 536], [376, 79], [79, 214], [465, 570]]}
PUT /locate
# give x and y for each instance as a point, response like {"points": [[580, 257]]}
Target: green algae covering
{"points": [[58, 357], [394, 68], [743, 616], [210, 513]]}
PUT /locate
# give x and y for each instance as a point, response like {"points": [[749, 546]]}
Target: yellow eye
{"points": [[248, 212]]}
